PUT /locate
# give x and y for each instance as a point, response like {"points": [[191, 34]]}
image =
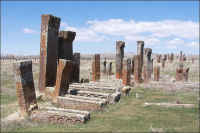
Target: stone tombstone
{"points": [[132, 68], [104, 66], [158, 58], [137, 69], [156, 73], [110, 68], [119, 58], [181, 56], [163, 63], [25, 87], [171, 57], [76, 67], [140, 51], [65, 46], [126, 73], [147, 65], [48, 51], [182, 74], [96, 67], [62, 79]]}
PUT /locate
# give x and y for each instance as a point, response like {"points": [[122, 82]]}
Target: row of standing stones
{"points": [[59, 77]]}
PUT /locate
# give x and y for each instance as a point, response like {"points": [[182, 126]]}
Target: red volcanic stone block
{"points": [[182, 74], [156, 73], [148, 65], [119, 58], [62, 79], [75, 75], [65, 47], [48, 51], [110, 68], [104, 66], [25, 87], [126, 76], [96, 67], [137, 69]]}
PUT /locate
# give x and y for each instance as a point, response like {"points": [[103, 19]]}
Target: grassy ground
{"points": [[129, 115]]}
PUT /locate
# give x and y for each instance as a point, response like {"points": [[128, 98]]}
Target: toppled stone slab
{"points": [[58, 117], [80, 103], [109, 97], [170, 105]]}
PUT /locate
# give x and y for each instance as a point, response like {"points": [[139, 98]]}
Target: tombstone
{"points": [[163, 63], [156, 73], [119, 58], [147, 65], [110, 69], [182, 74], [137, 69], [96, 67], [140, 51], [126, 73], [62, 79], [171, 58], [25, 87], [104, 66], [65, 46], [158, 58], [132, 68], [181, 56], [76, 67], [193, 59], [48, 51]]}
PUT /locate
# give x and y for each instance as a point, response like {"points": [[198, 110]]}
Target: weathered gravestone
{"points": [[25, 87], [96, 67], [48, 51], [119, 58]]}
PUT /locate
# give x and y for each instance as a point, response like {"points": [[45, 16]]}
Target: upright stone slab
{"points": [[158, 57], [76, 67], [163, 63], [62, 79], [181, 73], [156, 73], [126, 73], [119, 58], [140, 51], [181, 56], [25, 87], [110, 68], [96, 67], [48, 51], [132, 68], [104, 66], [137, 69], [65, 47], [171, 58], [148, 64]]}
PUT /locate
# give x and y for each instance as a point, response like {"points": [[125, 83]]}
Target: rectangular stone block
{"points": [[60, 116], [80, 104], [48, 51], [25, 87], [156, 73], [65, 46], [137, 69], [96, 67], [62, 79], [119, 58], [76, 67], [126, 76]]}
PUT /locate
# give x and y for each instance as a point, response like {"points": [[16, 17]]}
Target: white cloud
{"points": [[165, 33], [29, 31], [193, 44]]}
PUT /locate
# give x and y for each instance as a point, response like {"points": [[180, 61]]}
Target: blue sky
{"points": [[164, 26]]}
